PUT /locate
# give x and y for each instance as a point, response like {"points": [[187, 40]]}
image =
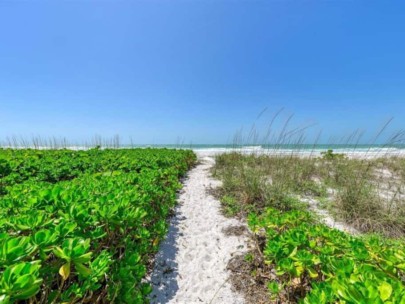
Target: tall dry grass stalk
{"points": [[366, 191], [39, 142]]}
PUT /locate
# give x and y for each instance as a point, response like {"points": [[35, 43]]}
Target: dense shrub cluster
{"points": [[82, 226], [316, 264]]}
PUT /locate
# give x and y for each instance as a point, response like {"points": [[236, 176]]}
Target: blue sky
{"points": [[198, 71]]}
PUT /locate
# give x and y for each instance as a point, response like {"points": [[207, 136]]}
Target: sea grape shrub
{"points": [[58, 165], [5, 168], [330, 155], [316, 264], [90, 238]]}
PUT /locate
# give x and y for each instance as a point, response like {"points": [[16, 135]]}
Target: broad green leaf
{"points": [[385, 290], [83, 270], [4, 299], [312, 273]]}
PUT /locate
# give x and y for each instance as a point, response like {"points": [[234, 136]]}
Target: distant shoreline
{"points": [[302, 150], [359, 151]]}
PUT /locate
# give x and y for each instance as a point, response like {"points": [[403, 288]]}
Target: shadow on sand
{"points": [[165, 272]]}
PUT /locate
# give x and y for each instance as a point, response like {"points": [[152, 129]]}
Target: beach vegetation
{"points": [[83, 226], [330, 155], [313, 263], [298, 258], [354, 189]]}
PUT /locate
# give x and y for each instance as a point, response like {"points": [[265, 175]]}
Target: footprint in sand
{"points": [[201, 251]]}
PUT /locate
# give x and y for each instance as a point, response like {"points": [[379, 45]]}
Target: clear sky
{"points": [[197, 71]]}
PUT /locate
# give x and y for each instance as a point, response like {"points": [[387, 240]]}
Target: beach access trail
{"points": [[190, 266]]}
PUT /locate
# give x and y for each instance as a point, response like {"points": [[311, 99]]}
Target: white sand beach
{"points": [[191, 264], [364, 153]]}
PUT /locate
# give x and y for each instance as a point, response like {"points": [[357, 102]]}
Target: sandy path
{"points": [[191, 264]]}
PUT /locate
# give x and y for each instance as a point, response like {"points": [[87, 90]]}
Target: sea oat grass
{"points": [[254, 182]]}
